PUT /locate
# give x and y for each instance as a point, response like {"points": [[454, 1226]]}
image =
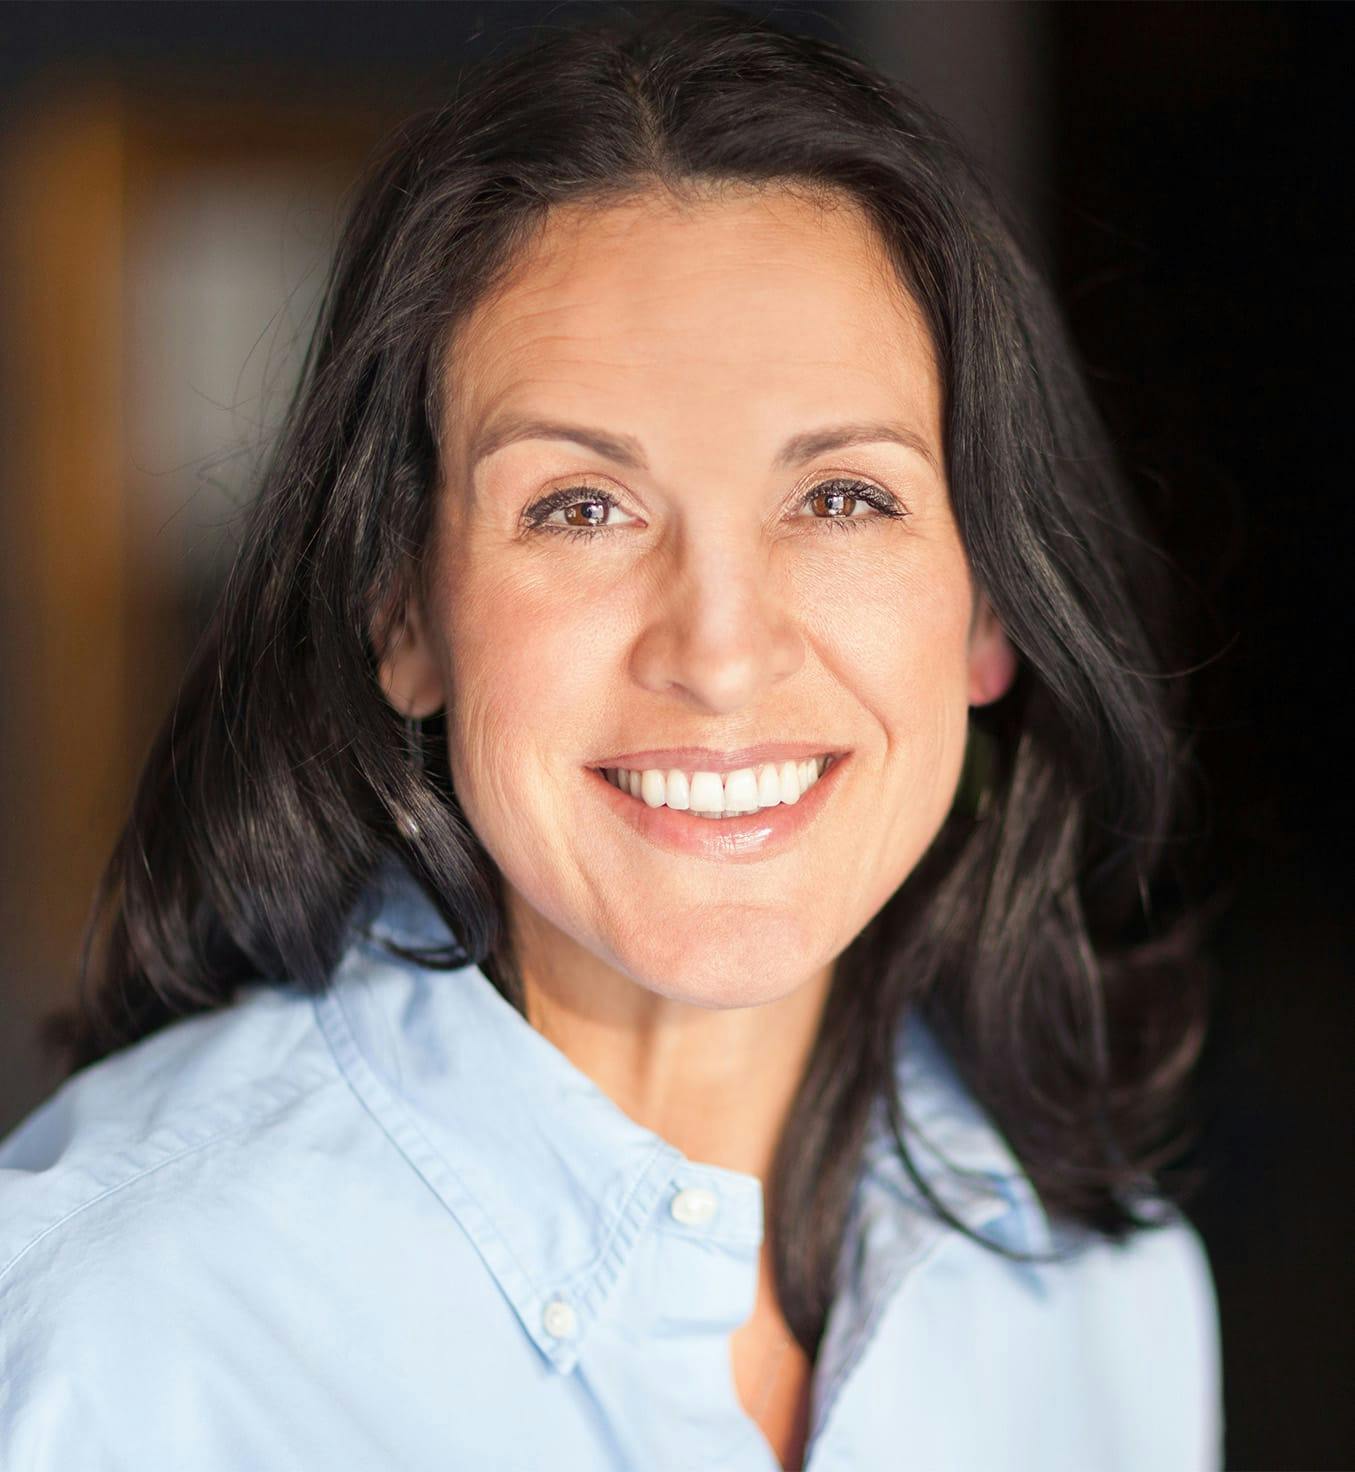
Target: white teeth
{"points": [[707, 793], [710, 795], [789, 782], [678, 791], [741, 790], [768, 786]]}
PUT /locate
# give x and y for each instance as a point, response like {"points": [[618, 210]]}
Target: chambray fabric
{"points": [[393, 1228]]}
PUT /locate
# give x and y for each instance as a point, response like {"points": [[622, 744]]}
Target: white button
{"points": [[694, 1207], [559, 1318]]}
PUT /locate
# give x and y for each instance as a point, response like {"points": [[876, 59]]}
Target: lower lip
{"points": [[761, 835]]}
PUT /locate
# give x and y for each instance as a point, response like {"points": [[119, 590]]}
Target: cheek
{"points": [[933, 663], [904, 655], [900, 635], [520, 655], [529, 699]]}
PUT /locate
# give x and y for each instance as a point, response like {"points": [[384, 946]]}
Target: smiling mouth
{"points": [[719, 796]]}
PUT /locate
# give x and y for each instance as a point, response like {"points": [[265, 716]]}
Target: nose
{"points": [[719, 633]]}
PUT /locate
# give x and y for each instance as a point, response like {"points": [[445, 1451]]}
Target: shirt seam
{"points": [[706, 1234], [375, 1098], [299, 1088], [588, 1284], [639, 1202]]}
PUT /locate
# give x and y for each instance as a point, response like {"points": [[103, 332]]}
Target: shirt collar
{"points": [[550, 1178], [956, 1148]]}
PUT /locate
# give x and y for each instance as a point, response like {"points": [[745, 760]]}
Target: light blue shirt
{"points": [[394, 1229]]}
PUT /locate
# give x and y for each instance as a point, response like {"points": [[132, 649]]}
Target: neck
{"points": [[718, 1083]]}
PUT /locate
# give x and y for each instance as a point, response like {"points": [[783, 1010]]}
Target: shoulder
{"points": [[135, 1203], [1100, 1354], [106, 1141], [1158, 1275], [1156, 1285], [1142, 1316]]}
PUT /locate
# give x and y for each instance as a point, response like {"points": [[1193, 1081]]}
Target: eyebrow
{"points": [[626, 450]]}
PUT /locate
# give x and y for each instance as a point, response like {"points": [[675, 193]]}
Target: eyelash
{"points": [[858, 490]]}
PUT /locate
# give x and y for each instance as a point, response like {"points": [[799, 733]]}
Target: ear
{"points": [[407, 664], [992, 660]]}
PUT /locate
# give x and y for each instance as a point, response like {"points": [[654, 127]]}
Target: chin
{"points": [[718, 978]]}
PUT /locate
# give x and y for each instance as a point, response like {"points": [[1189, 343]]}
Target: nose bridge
{"points": [[718, 626]]}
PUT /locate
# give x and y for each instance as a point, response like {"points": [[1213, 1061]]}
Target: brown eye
{"points": [[582, 513], [837, 501], [596, 513], [833, 501]]}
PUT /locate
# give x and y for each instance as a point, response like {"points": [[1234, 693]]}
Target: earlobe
{"points": [[407, 665], [992, 659]]}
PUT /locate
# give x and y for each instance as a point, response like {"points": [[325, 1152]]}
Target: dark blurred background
{"points": [[171, 177]]}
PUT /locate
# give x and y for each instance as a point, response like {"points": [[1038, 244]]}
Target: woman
{"points": [[650, 838]]}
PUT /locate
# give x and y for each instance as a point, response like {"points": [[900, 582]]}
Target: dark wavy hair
{"points": [[1026, 935]]}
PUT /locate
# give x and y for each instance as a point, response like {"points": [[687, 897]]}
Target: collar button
{"points": [[694, 1206], [559, 1319]]}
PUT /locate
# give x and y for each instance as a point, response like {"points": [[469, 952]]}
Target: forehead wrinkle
{"points": [[560, 257], [510, 351], [714, 265], [661, 344]]}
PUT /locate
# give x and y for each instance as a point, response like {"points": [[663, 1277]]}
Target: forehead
{"points": [[739, 308]]}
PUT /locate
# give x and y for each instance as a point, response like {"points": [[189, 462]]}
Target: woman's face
{"points": [[706, 596]]}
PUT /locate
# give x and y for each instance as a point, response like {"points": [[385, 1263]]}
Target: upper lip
{"points": [[709, 759]]}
